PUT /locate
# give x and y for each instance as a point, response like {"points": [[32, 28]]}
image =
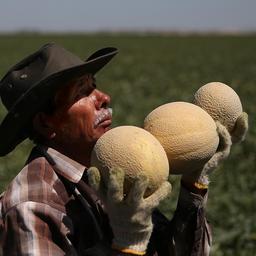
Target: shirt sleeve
{"points": [[188, 233], [36, 229], [191, 234]]}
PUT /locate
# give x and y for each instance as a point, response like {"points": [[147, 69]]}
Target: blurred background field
{"points": [[153, 69]]}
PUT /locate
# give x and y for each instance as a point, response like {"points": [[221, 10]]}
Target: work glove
{"points": [[200, 178], [129, 215], [240, 128]]}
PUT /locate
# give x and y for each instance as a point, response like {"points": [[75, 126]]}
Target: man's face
{"points": [[82, 114]]}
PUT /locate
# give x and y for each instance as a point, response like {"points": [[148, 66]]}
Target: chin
{"points": [[103, 130], [98, 133]]}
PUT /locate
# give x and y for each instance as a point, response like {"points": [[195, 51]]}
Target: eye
{"points": [[80, 83], [84, 87], [83, 90]]}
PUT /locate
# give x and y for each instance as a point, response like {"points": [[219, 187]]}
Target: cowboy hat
{"points": [[29, 85]]}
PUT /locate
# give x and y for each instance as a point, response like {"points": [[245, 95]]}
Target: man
{"points": [[52, 206]]}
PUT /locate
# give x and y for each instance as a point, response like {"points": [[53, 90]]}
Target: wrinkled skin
{"points": [[80, 119]]}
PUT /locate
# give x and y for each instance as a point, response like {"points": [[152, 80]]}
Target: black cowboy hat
{"points": [[29, 85]]}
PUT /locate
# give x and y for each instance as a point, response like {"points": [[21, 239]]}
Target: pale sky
{"points": [[95, 15]]}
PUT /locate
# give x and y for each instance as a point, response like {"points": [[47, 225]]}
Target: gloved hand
{"points": [[200, 178], [240, 129], [129, 215]]}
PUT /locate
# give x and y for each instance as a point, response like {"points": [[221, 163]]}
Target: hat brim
{"points": [[13, 129]]}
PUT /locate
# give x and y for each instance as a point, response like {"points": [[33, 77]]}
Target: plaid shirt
{"points": [[48, 209]]}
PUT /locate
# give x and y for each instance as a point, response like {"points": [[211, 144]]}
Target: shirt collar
{"points": [[63, 165]]}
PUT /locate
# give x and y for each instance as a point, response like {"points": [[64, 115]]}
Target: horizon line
{"points": [[134, 31]]}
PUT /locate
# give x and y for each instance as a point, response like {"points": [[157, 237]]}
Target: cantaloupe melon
{"points": [[134, 150], [221, 102], [187, 133]]}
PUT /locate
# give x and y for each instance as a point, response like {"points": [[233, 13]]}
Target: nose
{"points": [[103, 100]]}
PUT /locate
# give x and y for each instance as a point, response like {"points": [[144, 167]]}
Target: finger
{"points": [[94, 178], [223, 150], [115, 185], [225, 139], [241, 128], [137, 190], [161, 193]]}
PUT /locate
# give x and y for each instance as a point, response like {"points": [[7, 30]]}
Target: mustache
{"points": [[103, 115]]}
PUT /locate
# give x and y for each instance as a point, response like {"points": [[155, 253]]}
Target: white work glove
{"points": [[240, 128], [200, 178], [129, 215], [237, 135]]}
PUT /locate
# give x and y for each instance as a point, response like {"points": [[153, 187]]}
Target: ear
{"points": [[44, 126]]}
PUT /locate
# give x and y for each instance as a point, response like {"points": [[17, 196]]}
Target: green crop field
{"points": [[151, 70]]}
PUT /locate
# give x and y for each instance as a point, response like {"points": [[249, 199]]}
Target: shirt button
{"points": [[23, 76]]}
